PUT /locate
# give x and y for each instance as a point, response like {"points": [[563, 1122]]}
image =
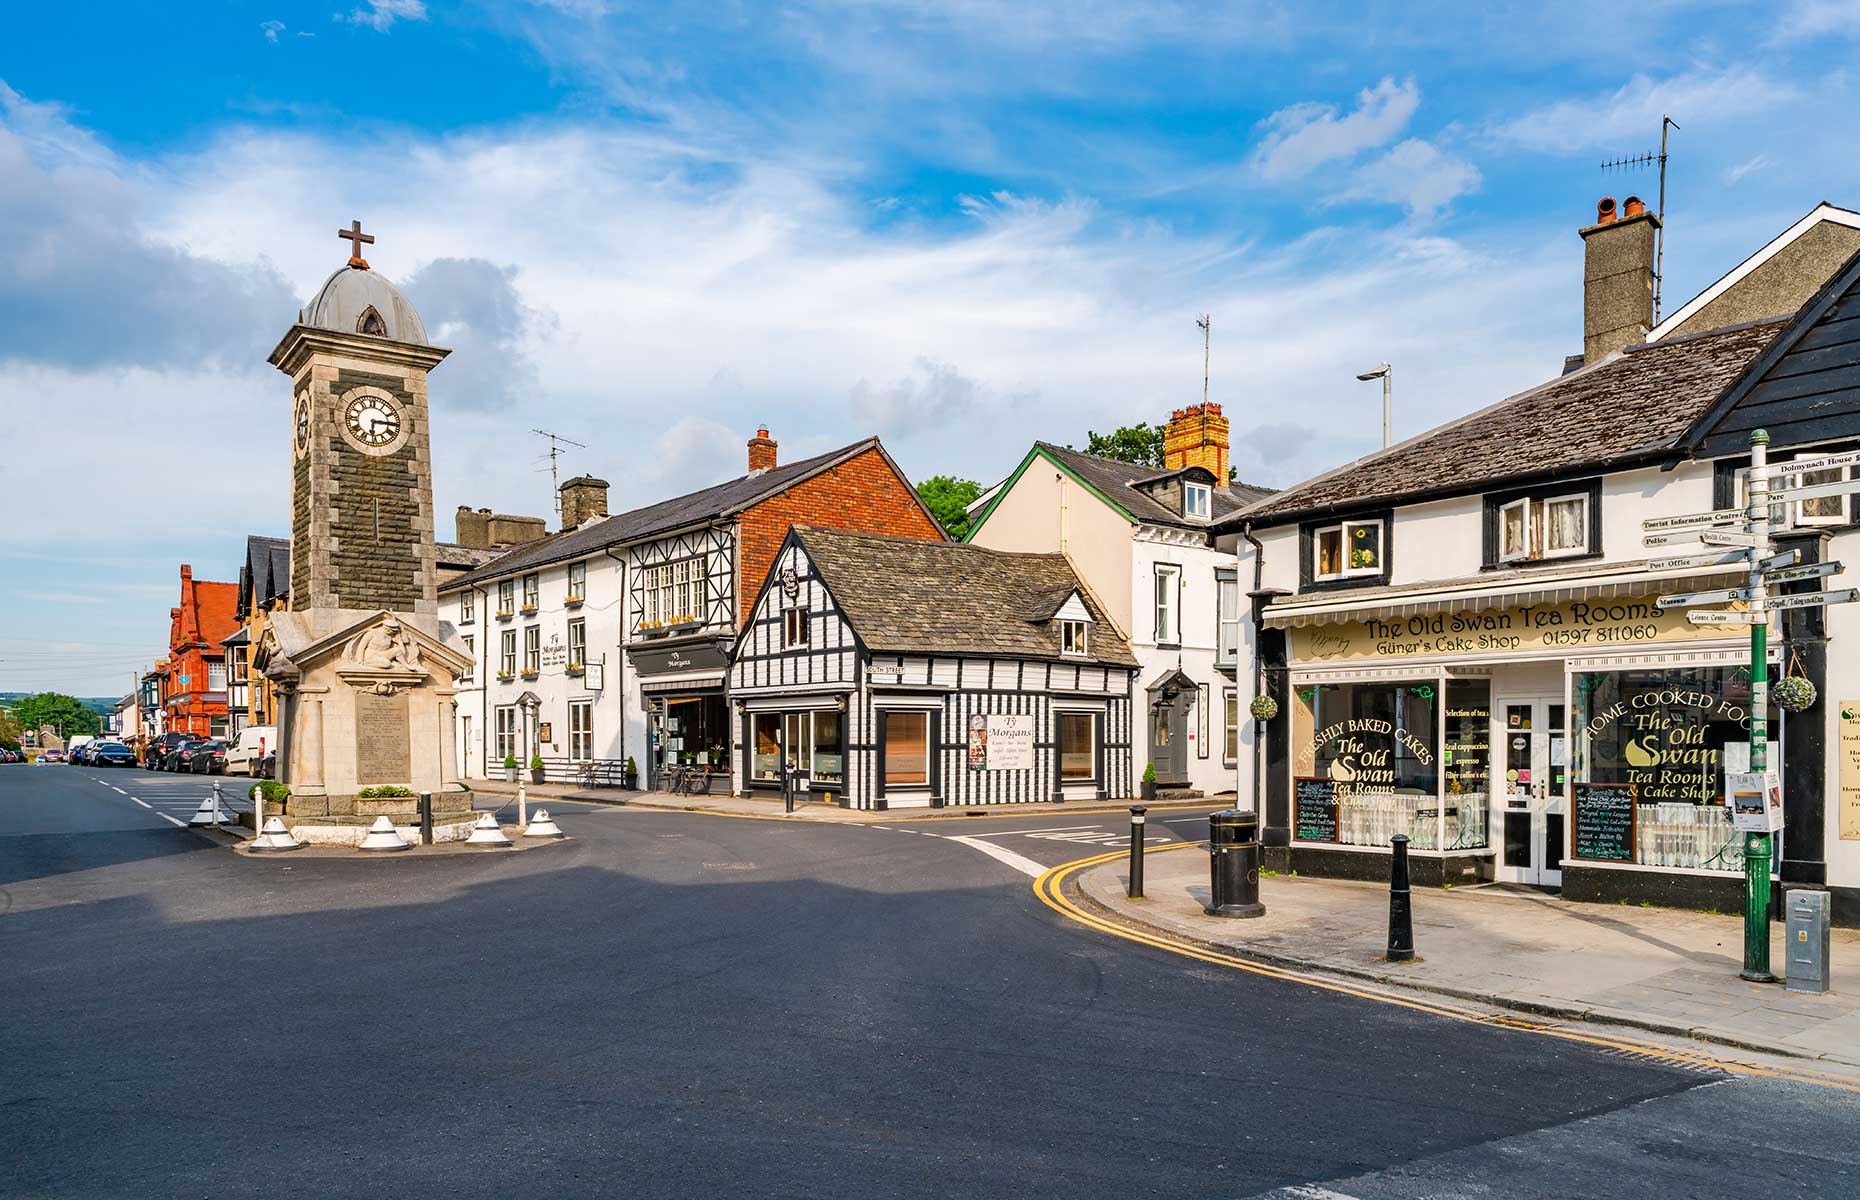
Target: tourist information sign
{"points": [[1705, 520]]}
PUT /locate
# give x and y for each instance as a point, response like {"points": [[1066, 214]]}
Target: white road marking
{"points": [[117, 790], [1307, 1191], [1026, 866], [1186, 821], [171, 820], [1056, 829], [143, 803]]}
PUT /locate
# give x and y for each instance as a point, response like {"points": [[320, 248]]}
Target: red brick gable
{"points": [[864, 494]]}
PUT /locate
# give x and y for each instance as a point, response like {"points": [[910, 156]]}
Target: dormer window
{"points": [[371, 323], [1543, 526], [1197, 501], [1075, 637], [1348, 549]]}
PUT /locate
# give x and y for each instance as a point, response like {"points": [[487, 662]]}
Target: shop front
{"points": [[799, 740], [1581, 745], [686, 712]]}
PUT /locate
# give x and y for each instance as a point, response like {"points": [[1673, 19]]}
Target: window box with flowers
{"points": [[575, 668], [532, 674], [653, 629], [505, 676], [572, 601], [528, 610], [504, 614]]}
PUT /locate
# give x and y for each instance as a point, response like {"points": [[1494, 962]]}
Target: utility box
{"points": [[1807, 934]]}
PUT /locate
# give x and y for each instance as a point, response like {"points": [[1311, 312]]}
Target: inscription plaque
{"points": [[381, 739]]}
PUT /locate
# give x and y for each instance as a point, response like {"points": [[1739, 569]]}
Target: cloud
{"points": [[380, 15], [272, 30], [932, 394], [86, 284], [1814, 19], [1299, 139], [1628, 118], [471, 305], [1416, 175], [1735, 173]]}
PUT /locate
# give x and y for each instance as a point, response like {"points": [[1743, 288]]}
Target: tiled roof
{"points": [[907, 596], [1118, 481], [268, 567], [725, 499], [451, 554], [215, 605], [1629, 406]]}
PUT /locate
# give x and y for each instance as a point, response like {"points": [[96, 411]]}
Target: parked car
{"points": [[10, 756], [202, 758], [111, 754], [252, 744], [52, 756], [155, 755], [266, 767]]}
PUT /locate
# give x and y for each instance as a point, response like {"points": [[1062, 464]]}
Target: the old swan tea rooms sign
{"points": [[1581, 624]]}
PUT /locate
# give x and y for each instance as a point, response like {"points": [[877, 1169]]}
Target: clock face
{"points": [[372, 421], [303, 424]]}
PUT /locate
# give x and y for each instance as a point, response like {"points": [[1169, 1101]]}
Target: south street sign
{"points": [[1811, 599], [1686, 599], [1829, 463], [1722, 516], [1806, 571], [1725, 558]]}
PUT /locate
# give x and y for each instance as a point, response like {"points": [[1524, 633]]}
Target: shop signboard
{"points": [[1314, 809], [1605, 817], [1001, 742], [707, 656], [596, 677], [1579, 625], [1848, 749]]}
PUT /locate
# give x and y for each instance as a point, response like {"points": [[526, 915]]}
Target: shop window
{"points": [[1347, 550], [1197, 500], [1364, 763], [1168, 592], [532, 592], [1074, 637], [1078, 746], [1465, 764], [829, 747], [907, 749], [577, 580], [795, 628], [1652, 748], [507, 656], [581, 730], [577, 644], [765, 761]]}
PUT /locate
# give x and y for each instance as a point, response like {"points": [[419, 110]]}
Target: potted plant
{"points": [[536, 768], [510, 768], [629, 778], [1149, 783]]}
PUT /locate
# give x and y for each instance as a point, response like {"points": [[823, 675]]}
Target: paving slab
{"points": [[1669, 970]]}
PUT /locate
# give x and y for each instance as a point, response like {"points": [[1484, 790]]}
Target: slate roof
{"points": [[1118, 479], [267, 569], [725, 499], [462, 558], [908, 596], [1630, 406]]}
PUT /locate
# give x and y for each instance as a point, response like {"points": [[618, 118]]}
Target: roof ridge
{"points": [[905, 538]]}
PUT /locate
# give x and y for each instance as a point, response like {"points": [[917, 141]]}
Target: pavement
{"points": [[677, 1004], [1668, 971]]}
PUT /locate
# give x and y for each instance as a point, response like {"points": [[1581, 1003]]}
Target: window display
{"points": [[1365, 763], [1466, 760]]}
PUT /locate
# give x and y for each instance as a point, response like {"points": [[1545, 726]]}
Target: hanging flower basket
{"points": [[1793, 694], [1264, 708]]}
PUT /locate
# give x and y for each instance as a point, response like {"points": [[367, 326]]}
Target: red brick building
{"points": [[193, 679]]}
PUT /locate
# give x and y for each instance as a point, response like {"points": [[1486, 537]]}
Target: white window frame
{"points": [[216, 671], [1167, 603], [506, 597], [468, 607], [532, 649], [507, 654], [578, 643], [1075, 638], [504, 739], [1197, 501], [577, 580], [1230, 739], [471, 655], [1342, 529], [1227, 619], [1808, 478], [1536, 525], [580, 730], [796, 628], [1096, 742], [532, 590]]}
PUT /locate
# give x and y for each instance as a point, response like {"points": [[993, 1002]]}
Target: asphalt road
{"points": [[686, 1005]]}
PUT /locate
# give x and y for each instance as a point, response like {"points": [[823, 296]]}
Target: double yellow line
{"points": [[1050, 888]]}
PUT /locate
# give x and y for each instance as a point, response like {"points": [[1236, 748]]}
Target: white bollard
{"points": [[523, 805], [486, 833], [383, 836], [542, 826], [207, 814], [275, 837]]}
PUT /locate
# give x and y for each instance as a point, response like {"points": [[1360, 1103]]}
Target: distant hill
{"points": [[102, 704]]}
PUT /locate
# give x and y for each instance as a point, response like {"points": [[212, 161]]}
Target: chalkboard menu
{"points": [[1604, 821], [1314, 804]]}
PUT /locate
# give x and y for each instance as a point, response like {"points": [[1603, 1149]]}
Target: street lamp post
{"points": [[1385, 373]]}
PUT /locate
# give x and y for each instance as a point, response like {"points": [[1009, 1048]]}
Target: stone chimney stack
{"points": [[1617, 277], [1196, 436], [583, 499], [507, 530], [761, 452], [473, 527]]}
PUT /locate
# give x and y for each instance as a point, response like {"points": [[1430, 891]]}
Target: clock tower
{"points": [[361, 466]]}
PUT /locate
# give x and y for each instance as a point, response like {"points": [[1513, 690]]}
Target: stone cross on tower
{"points": [[357, 239]]}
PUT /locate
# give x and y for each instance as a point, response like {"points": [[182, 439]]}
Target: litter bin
{"points": [[1233, 864]]}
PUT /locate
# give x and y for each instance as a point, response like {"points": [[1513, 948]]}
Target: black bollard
{"points": [[426, 818], [1401, 909], [1135, 890]]}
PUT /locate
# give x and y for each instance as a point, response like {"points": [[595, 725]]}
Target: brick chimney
{"points": [[583, 499], [473, 527], [1617, 277], [761, 452], [1196, 436]]}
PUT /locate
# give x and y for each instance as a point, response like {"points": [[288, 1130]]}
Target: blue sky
{"points": [[959, 225]]}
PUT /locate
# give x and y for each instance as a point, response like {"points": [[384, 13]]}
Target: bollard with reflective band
{"points": [[1401, 911], [1135, 888]]}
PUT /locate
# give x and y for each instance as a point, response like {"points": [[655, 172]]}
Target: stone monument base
{"points": [[348, 831]]}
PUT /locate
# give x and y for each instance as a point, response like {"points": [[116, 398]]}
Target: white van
{"points": [[252, 744]]}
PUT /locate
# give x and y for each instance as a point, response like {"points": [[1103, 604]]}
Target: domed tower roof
{"points": [[356, 299]]}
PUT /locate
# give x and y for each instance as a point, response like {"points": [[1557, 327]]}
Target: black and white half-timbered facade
{"points": [[882, 673]]}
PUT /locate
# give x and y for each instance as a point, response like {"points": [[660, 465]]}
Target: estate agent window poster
{"points": [[1849, 751], [1001, 742]]}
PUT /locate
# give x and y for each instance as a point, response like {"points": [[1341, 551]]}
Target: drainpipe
{"points": [[1259, 676], [620, 657], [484, 686]]}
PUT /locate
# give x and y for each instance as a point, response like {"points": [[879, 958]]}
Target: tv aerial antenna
{"points": [[1205, 322], [1634, 162], [556, 442]]}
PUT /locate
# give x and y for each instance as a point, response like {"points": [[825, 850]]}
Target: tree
{"points": [[9, 730], [948, 498], [1140, 443], [66, 715]]}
